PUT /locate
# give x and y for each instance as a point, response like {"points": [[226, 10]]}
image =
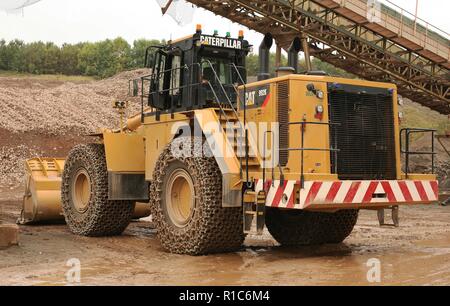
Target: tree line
{"points": [[101, 59]]}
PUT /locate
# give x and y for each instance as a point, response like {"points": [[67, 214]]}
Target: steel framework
{"points": [[350, 41]]}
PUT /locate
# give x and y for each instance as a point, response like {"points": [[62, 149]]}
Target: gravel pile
{"points": [[70, 106], [60, 109], [12, 164]]}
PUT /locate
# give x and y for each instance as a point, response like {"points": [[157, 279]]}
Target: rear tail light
{"points": [[319, 112]]}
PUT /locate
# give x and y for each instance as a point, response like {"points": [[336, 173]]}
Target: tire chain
{"points": [[293, 228], [212, 228], [103, 217]]}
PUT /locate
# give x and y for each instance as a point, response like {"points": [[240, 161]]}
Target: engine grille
{"points": [[365, 136], [283, 120]]}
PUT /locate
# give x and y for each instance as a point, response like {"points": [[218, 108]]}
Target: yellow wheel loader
{"points": [[217, 158]]}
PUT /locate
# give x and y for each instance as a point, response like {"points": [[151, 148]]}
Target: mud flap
{"points": [[254, 205], [231, 191], [127, 187], [249, 210], [260, 212]]}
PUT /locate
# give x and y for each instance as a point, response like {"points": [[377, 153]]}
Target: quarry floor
{"points": [[416, 253]]}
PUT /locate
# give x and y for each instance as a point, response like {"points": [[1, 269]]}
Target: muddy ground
{"points": [[417, 253], [46, 118]]}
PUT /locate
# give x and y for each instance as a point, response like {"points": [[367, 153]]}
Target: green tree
{"points": [[3, 59], [87, 59], [121, 55], [12, 56], [253, 64], [138, 51], [52, 54], [33, 57], [104, 58], [68, 60]]}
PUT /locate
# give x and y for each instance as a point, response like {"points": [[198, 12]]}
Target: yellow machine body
{"points": [[313, 167]]}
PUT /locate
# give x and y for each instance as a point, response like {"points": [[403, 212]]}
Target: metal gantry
{"points": [[389, 48]]}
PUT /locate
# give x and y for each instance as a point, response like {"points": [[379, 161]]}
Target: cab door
{"points": [[158, 85]]}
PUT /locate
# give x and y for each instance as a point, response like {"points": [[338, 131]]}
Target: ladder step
{"points": [[224, 120], [253, 163]]}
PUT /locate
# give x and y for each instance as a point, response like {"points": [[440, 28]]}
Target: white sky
{"points": [[91, 20]]}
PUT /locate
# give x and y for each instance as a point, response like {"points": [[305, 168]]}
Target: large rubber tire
{"points": [[100, 216], [297, 227], [210, 228]]}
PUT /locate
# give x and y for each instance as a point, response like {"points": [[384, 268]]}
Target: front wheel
{"points": [[186, 195], [84, 195]]}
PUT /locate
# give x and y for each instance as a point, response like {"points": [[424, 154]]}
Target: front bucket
{"points": [[42, 199]]}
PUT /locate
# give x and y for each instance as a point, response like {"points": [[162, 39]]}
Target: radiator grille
{"points": [[365, 136], [283, 120]]}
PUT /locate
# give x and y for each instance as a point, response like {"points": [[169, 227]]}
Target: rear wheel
{"points": [[84, 195], [297, 227], [186, 197]]}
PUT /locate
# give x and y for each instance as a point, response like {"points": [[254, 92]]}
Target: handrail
{"points": [[439, 137], [153, 76], [416, 17], [242, 127], [247, 174], [405, 24], [272, 157], [302, 149], [217, 98], [390, 5], [406, 151], [223, 89]]}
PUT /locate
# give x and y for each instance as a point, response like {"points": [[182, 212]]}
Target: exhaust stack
{"points": [[305, 47], [264, 57], [294, 49]]}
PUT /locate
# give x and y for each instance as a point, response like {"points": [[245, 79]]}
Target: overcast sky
{"points": [[91, 20]]}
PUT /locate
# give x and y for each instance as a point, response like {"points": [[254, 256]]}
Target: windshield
{"points": [[222, 68]]}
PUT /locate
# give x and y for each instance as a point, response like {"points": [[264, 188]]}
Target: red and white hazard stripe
{"points": [[339, 193]]}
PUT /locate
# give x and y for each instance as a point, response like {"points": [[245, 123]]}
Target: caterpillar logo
{"points": [[257, 97], [221, 42]]}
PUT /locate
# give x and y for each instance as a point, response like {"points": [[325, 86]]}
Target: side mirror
{"points": [[135, 88]]}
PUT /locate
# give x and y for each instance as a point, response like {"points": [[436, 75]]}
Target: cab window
{"points": [[175, 76], [221, 67]]}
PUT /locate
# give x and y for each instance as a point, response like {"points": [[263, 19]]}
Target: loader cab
{"points": [[197, 71]]}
